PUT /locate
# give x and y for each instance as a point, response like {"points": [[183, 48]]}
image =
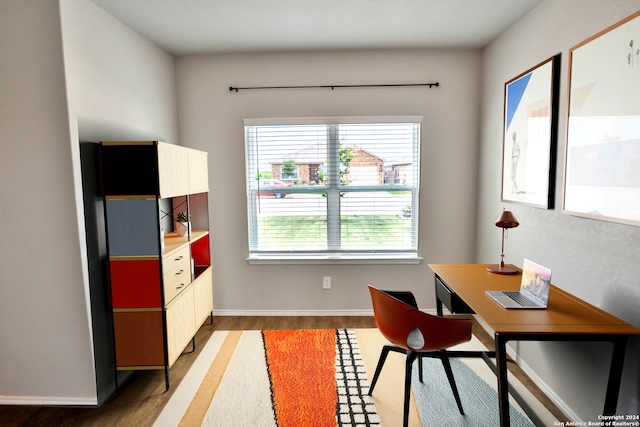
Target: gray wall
{"points": [[69, 72], [595, 260], [120, 86], [46, 351], [211, 119]]}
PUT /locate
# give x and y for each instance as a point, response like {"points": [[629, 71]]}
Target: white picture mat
{"points": [[602, 170]]}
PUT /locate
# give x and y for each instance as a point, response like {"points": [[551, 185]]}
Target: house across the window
{"points": [[365, 168], [342, 188]]}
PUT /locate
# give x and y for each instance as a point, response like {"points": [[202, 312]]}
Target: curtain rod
{"points": [[332, 87]]}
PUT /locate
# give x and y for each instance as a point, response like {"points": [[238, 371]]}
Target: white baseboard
{"points": [[47, 401], [552, 395], [267, 313]]}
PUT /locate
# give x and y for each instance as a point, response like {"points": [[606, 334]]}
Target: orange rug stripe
{"points": [[301, 366], [200, 403]]}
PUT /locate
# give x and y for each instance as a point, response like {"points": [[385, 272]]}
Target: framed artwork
{"points": [[602, 170], [530, 135]]}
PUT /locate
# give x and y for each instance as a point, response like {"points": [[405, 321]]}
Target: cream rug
{"points": [[231, 385]]}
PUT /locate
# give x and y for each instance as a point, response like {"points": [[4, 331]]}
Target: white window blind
{"points": [[334, 185]]}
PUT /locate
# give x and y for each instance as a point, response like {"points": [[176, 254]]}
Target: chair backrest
{"points": [[396, 320], [404, 296]]}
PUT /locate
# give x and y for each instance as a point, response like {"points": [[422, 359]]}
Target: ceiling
{"points": [[184, 27]]}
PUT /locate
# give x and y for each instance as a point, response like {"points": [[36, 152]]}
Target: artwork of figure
{"points": [[528, 138], [515, 155]]}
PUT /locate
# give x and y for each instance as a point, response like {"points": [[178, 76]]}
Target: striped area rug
{"points": [[316, 378]]}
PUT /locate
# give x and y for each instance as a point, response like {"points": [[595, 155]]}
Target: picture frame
{"points": [[530, 135], [602, 157]]}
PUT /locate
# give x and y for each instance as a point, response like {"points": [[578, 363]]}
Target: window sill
{"points": [[335, 259]]}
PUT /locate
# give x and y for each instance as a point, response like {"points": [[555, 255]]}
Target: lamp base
{"points": [[501, 269]]}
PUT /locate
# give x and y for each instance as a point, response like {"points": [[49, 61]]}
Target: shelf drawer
{"points": [[176, 280], [170, 262]]}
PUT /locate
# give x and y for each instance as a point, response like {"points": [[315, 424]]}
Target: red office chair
{"points": [[417, 335]]}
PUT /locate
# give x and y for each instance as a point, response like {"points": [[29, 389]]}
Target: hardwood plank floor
{"points": [[139, 401]]}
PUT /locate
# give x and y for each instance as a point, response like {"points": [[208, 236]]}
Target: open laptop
{"points": [[534, 288]]}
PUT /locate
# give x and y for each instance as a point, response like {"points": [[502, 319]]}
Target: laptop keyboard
{"points": [[517, 297]]}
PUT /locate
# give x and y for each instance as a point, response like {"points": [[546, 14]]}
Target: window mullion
{"points": [[333, 194]]}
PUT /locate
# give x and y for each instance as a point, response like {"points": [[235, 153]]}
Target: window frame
{"points": [[333, 190]]}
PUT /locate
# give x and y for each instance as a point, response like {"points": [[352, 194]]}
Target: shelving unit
{"points": [[160, 283]]}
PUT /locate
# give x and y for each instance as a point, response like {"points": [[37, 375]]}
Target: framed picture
{"points": [[530, 135], [602, 170]]}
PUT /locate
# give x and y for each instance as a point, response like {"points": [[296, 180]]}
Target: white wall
{"points": [[117, 85], [595, 260], [120, 85], [211, 119], [46, 342]]}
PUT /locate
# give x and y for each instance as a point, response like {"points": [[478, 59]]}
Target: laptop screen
{"points": [[535, 281]]}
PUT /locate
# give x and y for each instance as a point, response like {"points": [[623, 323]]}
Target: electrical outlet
{"points": [[326, 282]]}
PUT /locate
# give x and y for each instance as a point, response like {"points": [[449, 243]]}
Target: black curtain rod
{"points": [[236, 89]]}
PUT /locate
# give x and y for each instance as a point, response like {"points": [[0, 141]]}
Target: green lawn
{"points": [[305, 232]]}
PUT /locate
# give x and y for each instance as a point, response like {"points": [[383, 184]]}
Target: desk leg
{"points": [[615, 375], [503, 384], [438, 307]]}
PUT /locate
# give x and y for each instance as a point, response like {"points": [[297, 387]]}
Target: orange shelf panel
{"points": [[139, 338]]}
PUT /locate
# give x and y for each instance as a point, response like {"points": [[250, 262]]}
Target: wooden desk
{"points": [[567, 318]]}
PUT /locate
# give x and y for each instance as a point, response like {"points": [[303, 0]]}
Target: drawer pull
{"points": [[179, 258], [179, 272], [181, 286]]}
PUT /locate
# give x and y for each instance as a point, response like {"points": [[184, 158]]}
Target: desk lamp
{"points": [[506, 220]]}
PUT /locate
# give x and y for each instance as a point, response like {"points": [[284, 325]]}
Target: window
{"points": [[289, 170], [333, 188]]}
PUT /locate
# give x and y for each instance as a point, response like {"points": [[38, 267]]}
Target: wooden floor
{"points": [[140, 400]]}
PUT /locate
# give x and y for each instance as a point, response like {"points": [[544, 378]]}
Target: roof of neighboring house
{"points": [[398, 163], [315, 154]]}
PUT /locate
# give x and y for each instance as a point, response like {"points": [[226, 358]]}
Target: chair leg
{"points": [[383, 357], [411, 356], [420, 369], [452, 381], [381, 360]]}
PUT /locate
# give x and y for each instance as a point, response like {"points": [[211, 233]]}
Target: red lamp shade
{"points": [[506, 220]]}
